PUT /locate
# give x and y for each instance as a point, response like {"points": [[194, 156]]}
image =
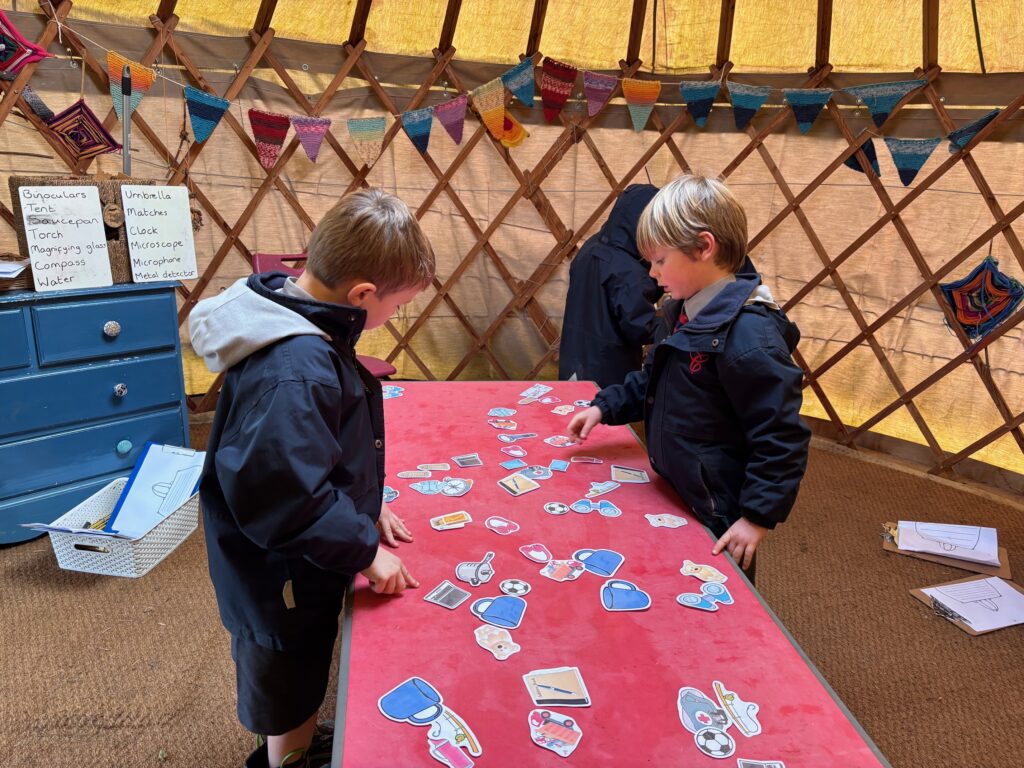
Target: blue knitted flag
{"points": [[880, 98], [417, 124], [807, 104], [520, 81], [699, 97], [869, 151], [961, 137], [909, 155], [746, 100], [205, 111]]}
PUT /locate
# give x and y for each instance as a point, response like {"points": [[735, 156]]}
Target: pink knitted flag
{"points": [[452, 115], [311, 132], [269, 130], [599, 89]]}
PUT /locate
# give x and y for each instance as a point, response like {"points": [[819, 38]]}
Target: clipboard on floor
{"points": [[1002, 570], [954, 597]]}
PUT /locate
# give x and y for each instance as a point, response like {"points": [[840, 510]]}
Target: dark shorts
{"points": [[279, 690]]}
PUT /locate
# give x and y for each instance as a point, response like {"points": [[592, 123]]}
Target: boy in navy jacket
{"points": [[292, 487], [719, 392]]}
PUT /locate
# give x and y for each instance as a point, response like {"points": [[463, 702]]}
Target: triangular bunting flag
{"points": [[807, 104], [205, 111], [515, 134], [520, 81], [910, 155], [81, 132], [699, 96], [311, 132], [269, 130], [961, 137], [15, 50], [142, 78], [880, 98], [417, 124], [489, 101], [452, 115], [598, 89], [556, 82], [746, 100], [872, 155], [641, 96], [983, 299], [368, 137]]}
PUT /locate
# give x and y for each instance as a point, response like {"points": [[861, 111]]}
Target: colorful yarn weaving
{"points": [[142, 79], [872, 155], [556, 82], [599, 89], [15, 50], [641, 96], [35, 103], [910, 155], [961, 137], [699, 97], [520, 80], [746, 100], [80, 132], [807, 104], [367, 135], [269, 130], [514, 133], [880, 98], [417, 125], [489, 101], [983, 299], [311, 132], [204, 110], [452, 115]]}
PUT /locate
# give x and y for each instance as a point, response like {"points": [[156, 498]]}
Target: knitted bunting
{"points": [[520, 81], [699, 97], [489, 101], [79, 130], [142, 79], [599, 90], [417, 124], [269, 130], [746, 100], [513, 132], [311, 132], [880, 98], [640, 97], [983, 299], [556, 82], [909, 155], [961, 137], [15, 50], [807, 104], [205, 111], [452, 115], [368, 137], [872, 155]]}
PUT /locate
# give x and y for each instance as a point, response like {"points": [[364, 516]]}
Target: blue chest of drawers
{"points": [[86, 378]]}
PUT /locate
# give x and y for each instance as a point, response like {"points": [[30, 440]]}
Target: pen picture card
{"points": [[558, 687], [159, 226]]}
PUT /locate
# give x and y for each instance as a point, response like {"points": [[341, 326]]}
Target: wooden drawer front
{"points": [[44, 507], [13, 340], [85, 394], [67, 332], [46, 462]]}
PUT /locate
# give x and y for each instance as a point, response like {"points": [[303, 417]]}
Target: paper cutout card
{"points": [[447, 595], [555, 732], [629, 475], [557, 687], [450, 728]]}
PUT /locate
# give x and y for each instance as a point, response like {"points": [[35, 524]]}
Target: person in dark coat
{"points": [[719, 393], [292, 486], [609, 309]]}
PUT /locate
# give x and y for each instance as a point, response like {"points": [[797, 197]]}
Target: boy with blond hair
{"points": [[719, 392], [292, 487]]}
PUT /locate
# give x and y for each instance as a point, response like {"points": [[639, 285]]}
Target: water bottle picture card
{"points": [[557, 687], [159, 225]]}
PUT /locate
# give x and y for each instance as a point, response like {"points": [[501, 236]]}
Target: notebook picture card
{"points": [[889, 538], [977, 604]]}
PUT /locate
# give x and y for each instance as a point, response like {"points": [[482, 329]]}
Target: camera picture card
{"points": [[557, 687]]}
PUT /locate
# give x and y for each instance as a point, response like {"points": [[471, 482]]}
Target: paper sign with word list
{"points": [[159, 226]]}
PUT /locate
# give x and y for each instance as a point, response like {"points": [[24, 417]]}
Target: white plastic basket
{"points": [[119, 557]]}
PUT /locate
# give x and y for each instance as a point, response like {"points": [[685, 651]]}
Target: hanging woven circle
{"points": [[113, 215]]}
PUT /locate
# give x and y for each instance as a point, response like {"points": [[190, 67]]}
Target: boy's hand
{"points": [[388, 574], [392, 527], [584, 421], [741, 541]]}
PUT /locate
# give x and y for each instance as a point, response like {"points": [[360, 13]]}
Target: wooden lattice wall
{"points": [[530, 188]]}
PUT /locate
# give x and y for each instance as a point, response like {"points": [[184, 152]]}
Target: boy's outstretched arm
{"points": [[391, 527]]}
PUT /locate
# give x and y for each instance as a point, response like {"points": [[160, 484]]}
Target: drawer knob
{"points": [[120, 390], [124, 447], [111, 329]]}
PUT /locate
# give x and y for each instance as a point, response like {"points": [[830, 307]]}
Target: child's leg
{"points": [[290, 747]]}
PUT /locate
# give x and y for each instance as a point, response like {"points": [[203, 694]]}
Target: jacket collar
{"points": [[341, 322], [724, 307]]}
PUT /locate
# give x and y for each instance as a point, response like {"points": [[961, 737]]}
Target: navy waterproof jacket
{"points": [[609, 310], [291, 489], [721, 400]]}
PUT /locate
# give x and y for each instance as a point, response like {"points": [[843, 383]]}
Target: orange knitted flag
{"points": [[489, 101], [142, 80], [641, 96]]}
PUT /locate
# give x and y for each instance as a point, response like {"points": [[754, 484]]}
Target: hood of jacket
{"points": [[620, 228]]}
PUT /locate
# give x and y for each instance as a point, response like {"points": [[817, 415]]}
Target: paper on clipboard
{"points": [[164, 477], [889, 544], [963, 542], [977, 604]]}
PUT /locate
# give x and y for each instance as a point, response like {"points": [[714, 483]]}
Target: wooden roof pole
{"points": [[725, 32], [264, 16], [451, 20], [636, 31], [358, 31], [822, 49], [930, 34], [165, 10], [540, 10]]}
